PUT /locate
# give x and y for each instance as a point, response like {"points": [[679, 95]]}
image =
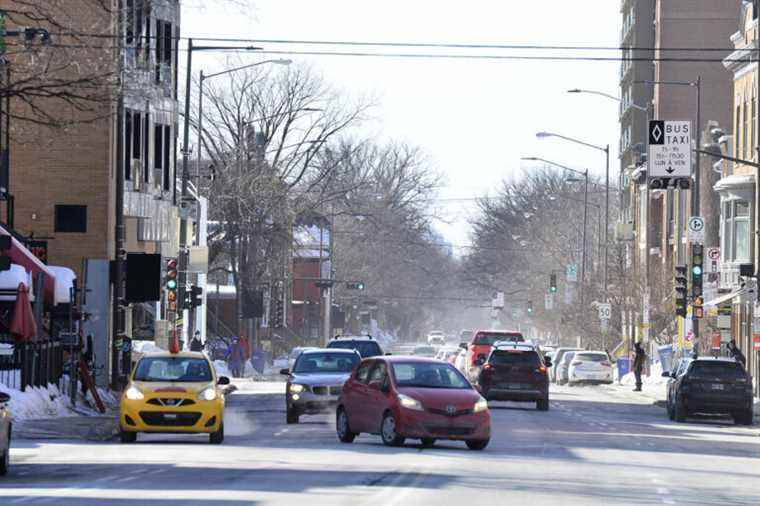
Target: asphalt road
{"points": [[596, 445]]}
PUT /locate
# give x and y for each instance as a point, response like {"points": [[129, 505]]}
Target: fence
{"points": [[36, 363]]}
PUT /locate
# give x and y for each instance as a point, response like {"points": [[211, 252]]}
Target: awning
{"points": [[20, 255], [9, 281], [725, 298], [64, 281]]}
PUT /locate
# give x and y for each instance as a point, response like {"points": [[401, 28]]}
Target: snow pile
{"points": [[222, 369], [50, 402], [145, 347], [654, 378]]}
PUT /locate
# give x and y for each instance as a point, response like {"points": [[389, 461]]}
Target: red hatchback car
{"points": [[411, 397]]}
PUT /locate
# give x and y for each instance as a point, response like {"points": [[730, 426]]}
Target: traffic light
{"points": [[530, 307], [681, 289], [699, 311], [171, 284], [696, 270], [194, 297], [552, 283], [278, 314], [355, 285]]}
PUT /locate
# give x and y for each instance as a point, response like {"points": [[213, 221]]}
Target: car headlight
{"points": [[409, 402], [207, 394], [295, 388], [481, 405], [134, 394]]}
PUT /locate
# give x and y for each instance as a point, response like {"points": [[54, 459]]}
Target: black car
{"points": [[365, 345], [710, 385], [515, 372], [679, 369]]}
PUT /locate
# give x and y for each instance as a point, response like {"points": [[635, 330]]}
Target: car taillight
{"points": [[541, 369]]}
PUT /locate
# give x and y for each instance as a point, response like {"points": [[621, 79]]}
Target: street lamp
{"points": [[606, 151], [585, 212], [611, 97]]}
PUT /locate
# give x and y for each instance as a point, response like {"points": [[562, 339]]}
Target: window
{"points": [[362, 374], [71, 219], [146, 147], [753, 120], [378, 372], [164, 50], [165, 369], [747, 121], [737, 126], [127, 144], [162, 152], [736, 233]]}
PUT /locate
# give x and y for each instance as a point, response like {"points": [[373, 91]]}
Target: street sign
{"points": [[669, 149], [498, 301], [572, 273], [549, 301], [696, 230], [713, 260], [605, 310]]}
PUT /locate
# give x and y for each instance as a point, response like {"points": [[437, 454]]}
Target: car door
{"points": [[355, 396], [5, 421], [377, 398]]}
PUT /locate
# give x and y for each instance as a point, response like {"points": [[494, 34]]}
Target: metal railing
{"points": [[35, 363]]}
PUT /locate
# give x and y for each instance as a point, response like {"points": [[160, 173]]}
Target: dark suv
{"points": [[515, 372], [365, 345], [711, 385]]}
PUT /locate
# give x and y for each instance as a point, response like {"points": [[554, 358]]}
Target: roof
{"points": [[715, 359], [407, 358], [354, 338], [329, 350], [492, 331], [181, 354]]}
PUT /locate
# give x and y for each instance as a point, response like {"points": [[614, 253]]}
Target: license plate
{"points": [[514, 386], [717, 386], [170, 416]]}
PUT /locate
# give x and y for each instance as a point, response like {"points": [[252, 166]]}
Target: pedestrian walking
{"points": [[196, 344], [736, 353], [236, 359], [638, 364]]}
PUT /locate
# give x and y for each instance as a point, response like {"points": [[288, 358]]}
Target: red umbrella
{"points": [[23, 326]]}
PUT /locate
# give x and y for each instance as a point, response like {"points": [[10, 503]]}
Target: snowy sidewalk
{"points": [[98, 428]]}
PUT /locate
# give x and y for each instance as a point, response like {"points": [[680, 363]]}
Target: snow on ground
{"points": [[51, 402], [654, 378]]}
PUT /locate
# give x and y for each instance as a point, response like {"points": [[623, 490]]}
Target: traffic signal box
{"points": [[170, 285], [530, 307], [552, 283], [681, 290], [697, 269]]}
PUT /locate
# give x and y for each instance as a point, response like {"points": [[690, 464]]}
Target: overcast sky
{"points": [[475, 119]]}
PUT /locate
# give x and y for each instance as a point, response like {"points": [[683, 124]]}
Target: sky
{"points": [[475, 119]]}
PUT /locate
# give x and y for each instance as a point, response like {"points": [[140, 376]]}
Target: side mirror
{"points": [[673, 374], [388, 354], [463, 346], [385, 387], [547, 361], [480, 360], [4, 398], [223, 380], [666, 374], [285, 372]]}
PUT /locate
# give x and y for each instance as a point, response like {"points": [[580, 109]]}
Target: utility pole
{"points": [[695, 204]]}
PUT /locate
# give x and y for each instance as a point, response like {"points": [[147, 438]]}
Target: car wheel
{"points": [[217, 438], [341, 424], [743, 418], [428, 442], [291, 416], [542, 404], [128, 437], [477, 444], [5, 458], [679, 411], [388, 431]]}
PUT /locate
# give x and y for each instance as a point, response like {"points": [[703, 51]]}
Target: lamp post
{"points": [[585, 213], [606, 151]]}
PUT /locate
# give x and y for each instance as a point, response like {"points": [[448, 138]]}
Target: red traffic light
{"points": [[171, 264]]}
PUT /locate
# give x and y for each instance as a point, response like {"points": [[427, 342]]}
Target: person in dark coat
{"points": [[639, 359], [736, 353], [196, 344]]}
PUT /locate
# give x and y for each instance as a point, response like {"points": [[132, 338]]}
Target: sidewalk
{"points": [[96, 428], [651, 393]]}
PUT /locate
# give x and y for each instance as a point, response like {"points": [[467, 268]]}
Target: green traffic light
{"points": [[696, 270], [552, 289], [171, 284]]}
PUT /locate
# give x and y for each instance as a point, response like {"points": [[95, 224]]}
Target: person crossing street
{"points": [[638, 364]]}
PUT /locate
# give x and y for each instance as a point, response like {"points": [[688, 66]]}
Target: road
{"points": [[596, 445]]}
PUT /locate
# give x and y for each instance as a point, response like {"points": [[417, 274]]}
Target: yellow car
{"points": [[173, 393]]}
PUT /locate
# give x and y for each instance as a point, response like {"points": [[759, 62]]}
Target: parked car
{"points": [[436, 338], [461, 358], [403, 398], [590, 367], [365, 345], [173, 393], [559, 353], [295, 352], [516, 372], [5, 434], [712, 385], [480, 346], [564, 367], [316, 380]]}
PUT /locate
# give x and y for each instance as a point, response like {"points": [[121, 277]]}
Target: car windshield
{"points": [[515, 357], [488, 339], [173, 369], [714, 370], [428, 375], [365, 348], [567, 357], [427, 351], [591, 357], [325, 363]]}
